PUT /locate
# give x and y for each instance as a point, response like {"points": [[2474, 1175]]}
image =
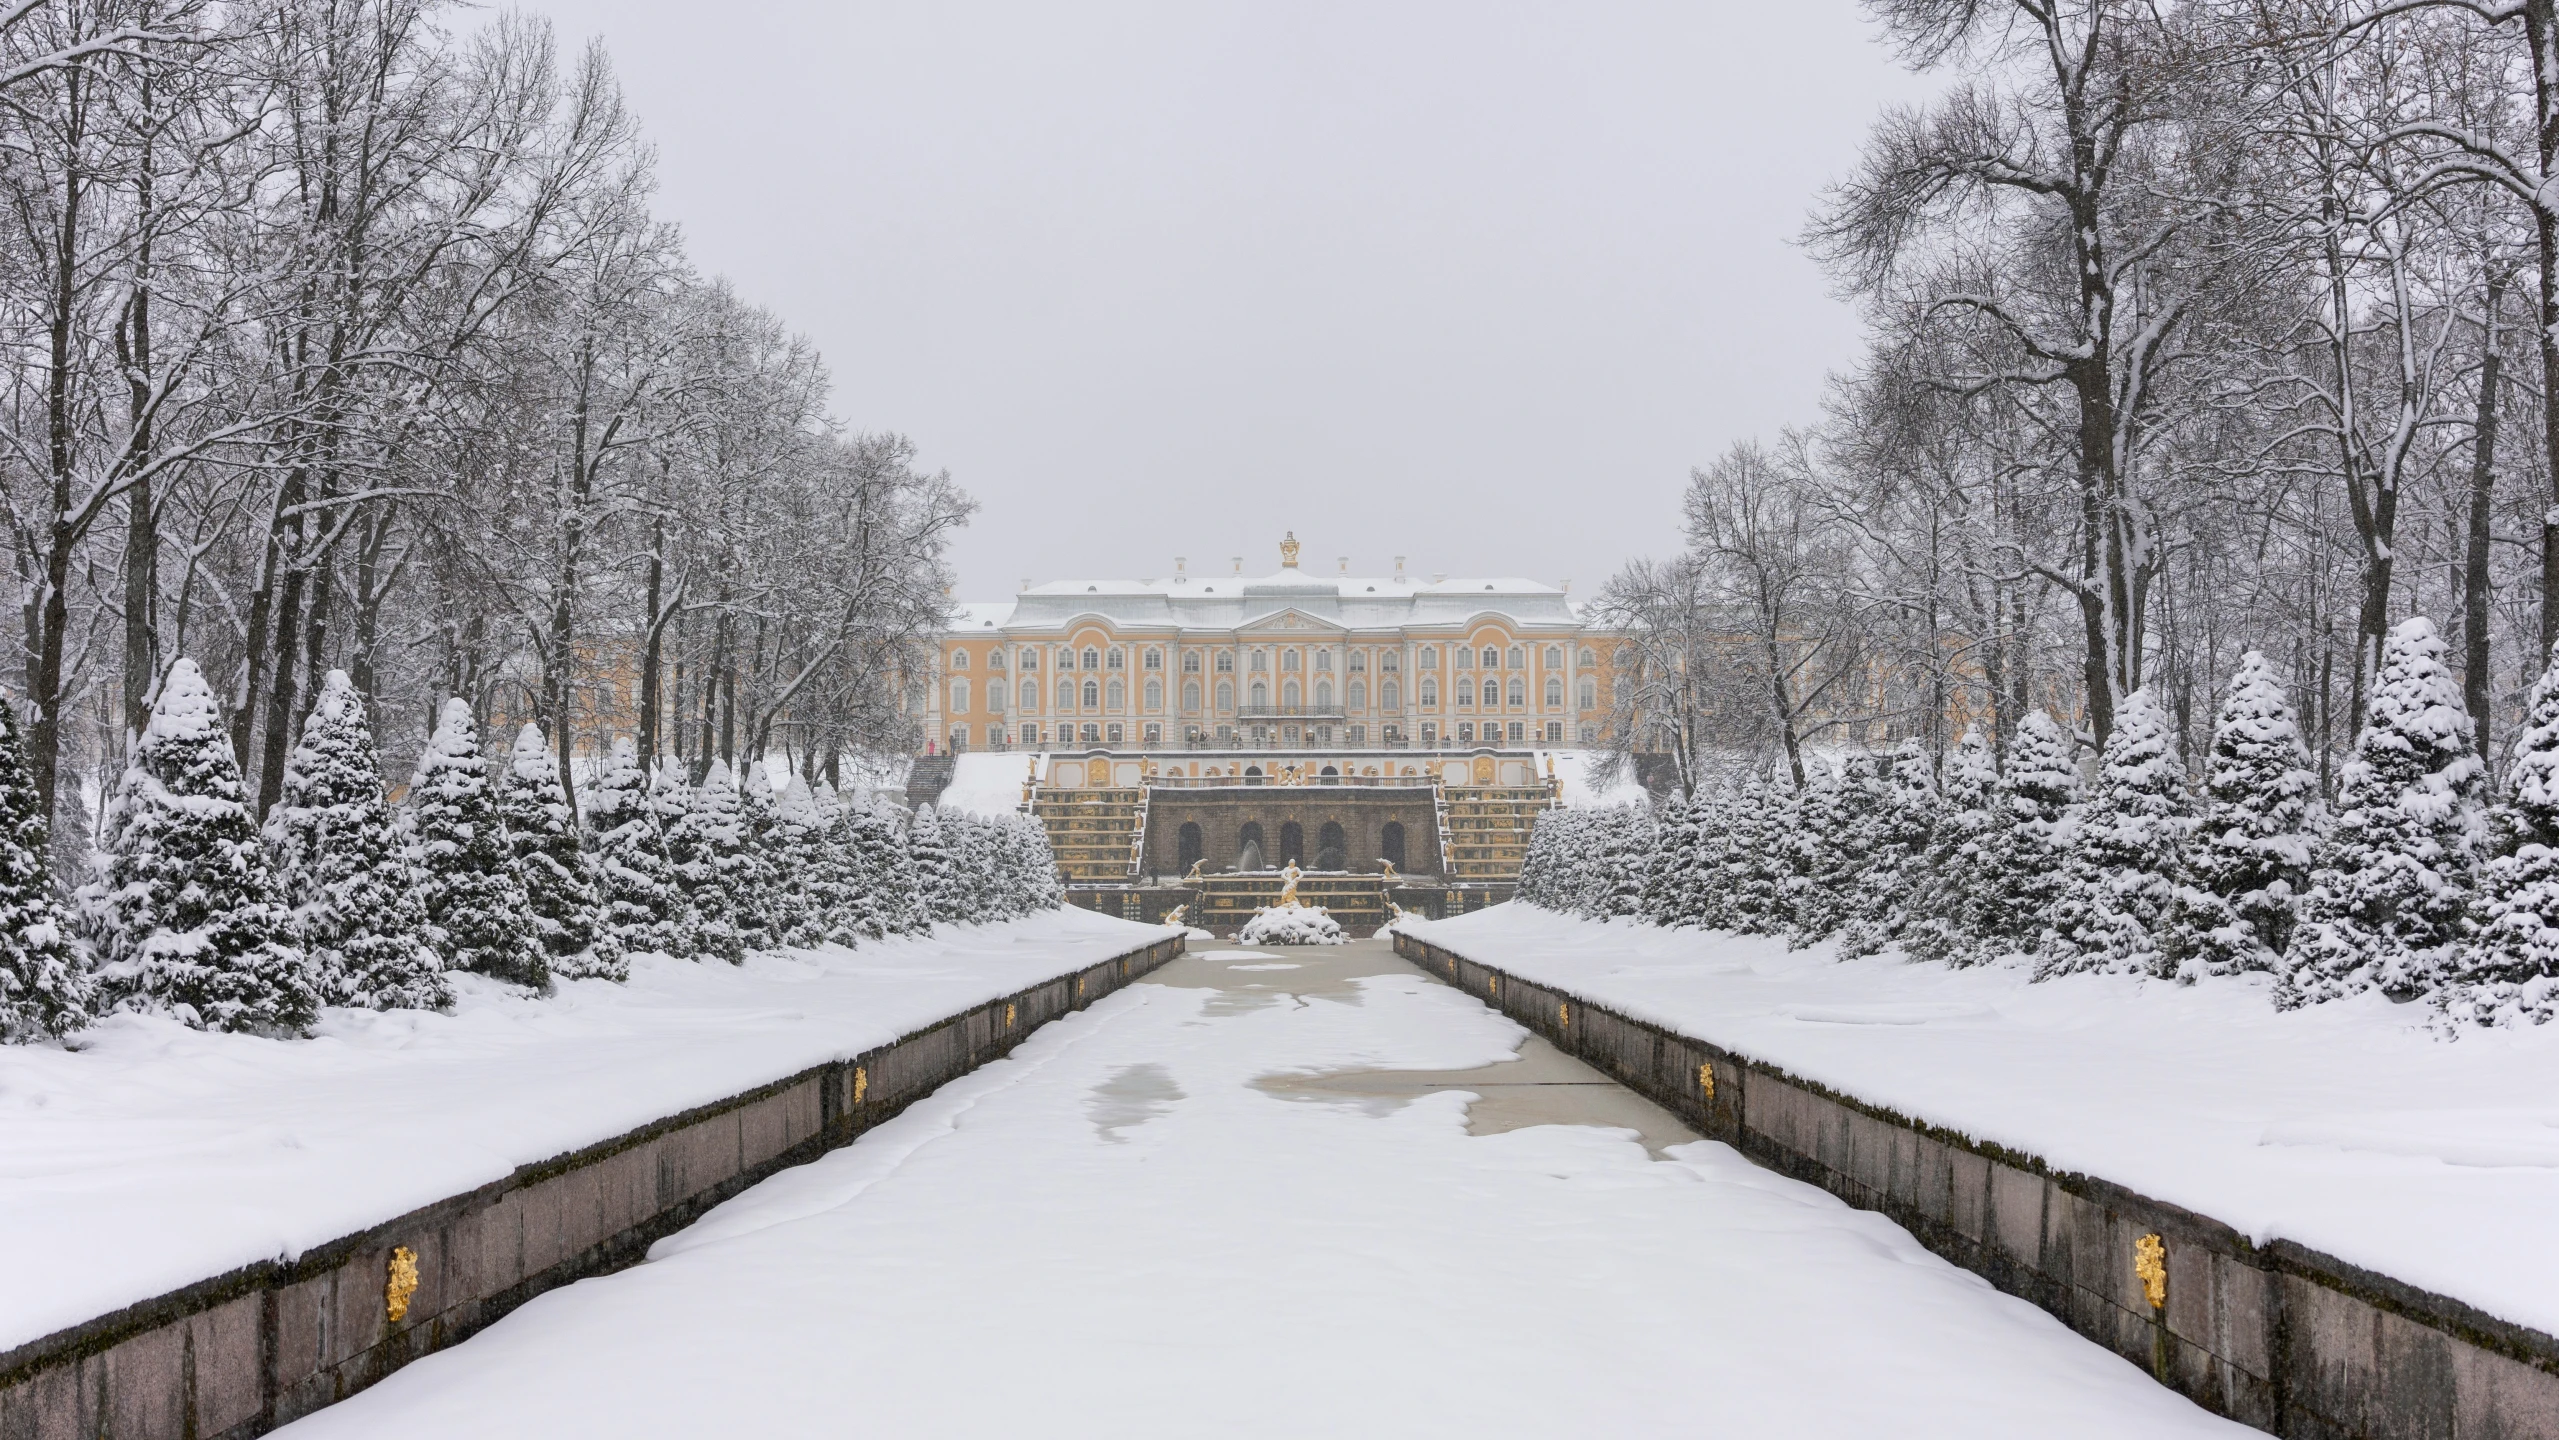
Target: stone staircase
{"points": [[927, 776], [1094, 832], [1485, 832]]}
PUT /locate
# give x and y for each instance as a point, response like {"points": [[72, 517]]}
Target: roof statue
{"points": [[1288, 551]]}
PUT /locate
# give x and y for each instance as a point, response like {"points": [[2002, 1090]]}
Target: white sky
{"points": [[1474, 283]]}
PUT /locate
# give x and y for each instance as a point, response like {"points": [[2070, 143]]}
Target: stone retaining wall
{"points": [[240, 1354], [2278, 1336]]}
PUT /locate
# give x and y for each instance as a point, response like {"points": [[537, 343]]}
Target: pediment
{"points": [[1292, 620]]}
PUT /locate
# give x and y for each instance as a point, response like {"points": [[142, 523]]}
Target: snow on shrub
{"points": [[44, 989], [1292, 924], [477, 915], [558, 876]]}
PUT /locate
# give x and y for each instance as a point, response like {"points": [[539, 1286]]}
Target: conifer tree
{"points": [[1757, 875], [1839, 825], [187, 918], [2391, 880], [477, 915], [708, 843], [847, 841], [1625, 856], [1674, 854], [2126, 853], [1904, 821], [557, 874], [1042, 889], [937, 877], [884, 874], [643, 907], [2024, 848], [759, 876], [1709, 837], [44, 989], [1945, 908], [809, 882], [345, 870], [2510, 974], [2250, 856]]}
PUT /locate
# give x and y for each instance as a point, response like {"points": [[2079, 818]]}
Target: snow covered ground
{"points": [[1116, 1231], [2347, 1127], [155, 1156]]}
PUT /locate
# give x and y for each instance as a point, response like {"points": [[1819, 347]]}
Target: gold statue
{"points": [[1174, 915], [1386, 870], [1198, 870], [1288, 883], [1288, 550]]}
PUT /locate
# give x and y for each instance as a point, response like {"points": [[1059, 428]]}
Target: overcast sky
{"points": [[1471, 283]]}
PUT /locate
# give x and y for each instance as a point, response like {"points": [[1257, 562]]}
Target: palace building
{"points": [[1187, 736]]}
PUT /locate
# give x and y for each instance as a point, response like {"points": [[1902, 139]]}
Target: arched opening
{"points": [[1248, 848], [1330, 854], [1253, 776], [1193, 846], [1292, 843], [1329, 775], [1390, 842]]}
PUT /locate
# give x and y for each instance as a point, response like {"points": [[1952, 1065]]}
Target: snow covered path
{"points": [[1184, 1213]]}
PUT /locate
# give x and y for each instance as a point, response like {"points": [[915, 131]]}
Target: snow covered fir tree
{"points": [[478, 915], [553, 865], [45, 991]]}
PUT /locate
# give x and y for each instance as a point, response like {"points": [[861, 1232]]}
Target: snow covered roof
{"points": [[1229, 602]]}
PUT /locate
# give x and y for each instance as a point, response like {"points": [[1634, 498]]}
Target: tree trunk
{"points": [[2475, 689]]}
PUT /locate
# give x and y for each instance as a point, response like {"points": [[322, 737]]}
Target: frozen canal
{"points": [[1250, 1198]]}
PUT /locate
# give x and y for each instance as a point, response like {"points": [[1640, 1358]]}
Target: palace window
{"points": [[1519, 732], [1065, 694], [1030, 659], [1465, 692], [1587, 657], [1359, 694], [1492, 658], [1590, 694], [959, 697], [1555, 694], [1359, 737], [1288, 660], [1323, 659], [959, 659], [1154, 659], [1590, 734], [1092, 693], [1118, 660], [1359, 661], [1323, 694], [1226, 662], [1430, 734], [1555, 661], [1465, 658], [1114, 732], [1154, 694], [1191, 663], [1261, 662], [994, 697], [1225, 695], [1289, 693], [1261, 695], [1518, 692], [1430, 689], [1430, 657], [1466, 732], [1390, 662], [1390, 696], [1190, 695], [1031, 696], [1154, 734], [1092, 733], [1519, 658], [994, 659], [1119, 694], [1092, 659], [1554, 732]]}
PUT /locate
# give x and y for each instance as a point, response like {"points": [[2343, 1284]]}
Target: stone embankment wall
{"points": [[2276, 1336], [240, 1354]]}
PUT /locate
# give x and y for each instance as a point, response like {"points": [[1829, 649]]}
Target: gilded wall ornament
{"points": [[2150, 1265], [403, 1283]]}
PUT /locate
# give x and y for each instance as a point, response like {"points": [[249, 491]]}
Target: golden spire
{"points": [[1288, 550]]}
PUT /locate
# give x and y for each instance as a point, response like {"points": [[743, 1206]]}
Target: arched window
{"points": [[1288, 660], [1389, 695], [1359, 694], [1359, 661], [1323, 694], [1065, 693], [1261, 695], [1154, 694], [1191, 662], [1092, 659], [1430, 657], [1225, 695], [1430, 689], [1390, 662], [1465, 692], [959, 659], [1590, 694], [1390, 842], [1587, 657], [1226, 662], [959, 697], [1288, 694], [1092, 693], [1554, 657], [1154, 659], [1323, 659], [1261, 662], [1190, 694], [1518, 692], [1554, 692], [1292, 842], [1031, 696], [1118, 660], [994, 696], [1492, 658], [1119, 693], [1328, 845], [994, 659], [1190, 848]]}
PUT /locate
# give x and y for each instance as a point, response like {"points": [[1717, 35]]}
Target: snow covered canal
{"points": [[1248, 1198]]}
